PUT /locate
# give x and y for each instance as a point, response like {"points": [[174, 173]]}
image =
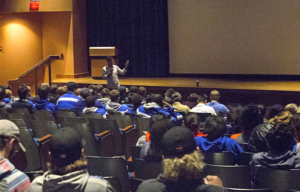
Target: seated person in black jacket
{"points": [[22, 103], [182, 166]]}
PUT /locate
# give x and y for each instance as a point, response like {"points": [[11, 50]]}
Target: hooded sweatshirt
{"points": [[114, 107], [45, 105], [284, 161], [5, 105], [12, 178], [89, 110], [219, 145], [78, 181], [104, 101]]}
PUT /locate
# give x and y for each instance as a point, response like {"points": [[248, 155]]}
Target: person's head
{"points": [[43, 92], [182, 160], [176, 97], [114, 95], [7, 87], [92, 87], [262, 109], [296, 124], [202, 98], [169, 92], [2, 92], [23, 92], [251, 117], [29, 90], [214, 95], [66, 152], [105, 93], [193, 97], [45, 84], [280, 137], [123, 91], [157, 98], [77, 92], [90, 101], [110, 61], [292, 107], [192, 121], [53, 89], [142, 91], [157, 117], [60, 91], [85, 92], [136, 100], [8, 93], [157, 130], [72, 86], [133, 89], [98, 89], [214, 127], [9, 139], [273, 111], [282, 117]]}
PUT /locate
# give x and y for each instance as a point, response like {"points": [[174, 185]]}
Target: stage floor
{"points": [[206, 83]]}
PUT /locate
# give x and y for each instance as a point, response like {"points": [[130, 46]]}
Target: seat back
{"points": [[115, 183], [142, 125], [245, 158], [62, 120], [44, 146], [231, 176], [42, 112], [108, 166], [224, 158], [277, 180], [122, 120], [32, 151], [203, 116], [92, 116], [62, 113], [43, 128], [20, 123], [23, 116], [147, 170], [43, 117], [135, 183], [248, 190]]}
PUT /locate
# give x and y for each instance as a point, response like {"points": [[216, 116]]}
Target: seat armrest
{"points": [[45, 138]]}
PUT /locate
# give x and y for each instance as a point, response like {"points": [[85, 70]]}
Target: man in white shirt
{"points": [[202, 107], [111, 72]]}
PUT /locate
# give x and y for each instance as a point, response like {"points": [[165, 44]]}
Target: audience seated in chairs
{"points": [[280, 139], [80, 105], [250, 118], [182, 166], [43, 103], [234, 123], [215, 127], [151, 150], [3, 104], [135, 101], [22, 103], [218, 107], [257, 141], [68, 167], [192, 121], [123, 94], [69, 100], [90, 106], [114, 105], [97, 91], [11, 178], [192, 100], [202, 107], [8, 96], [105, 96]]}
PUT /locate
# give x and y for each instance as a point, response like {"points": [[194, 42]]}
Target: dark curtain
{"points": [[138, 28]]}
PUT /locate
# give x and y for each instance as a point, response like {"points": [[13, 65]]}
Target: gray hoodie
{"points": [[78, 181]]}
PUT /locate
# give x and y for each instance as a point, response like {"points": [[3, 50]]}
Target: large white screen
{"points": [[234, 36]]}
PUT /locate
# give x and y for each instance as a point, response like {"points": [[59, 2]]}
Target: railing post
{"points": [[49, 71], [35, 76]]}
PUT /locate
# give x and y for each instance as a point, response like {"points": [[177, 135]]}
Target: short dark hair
{"points": [[280, 137], [93, 88], [105, 92], [72, 86], [193, 97], [157, 98], [136, 100], [176, 97], [2, 92], [85, 93], [43, 91], [114, 95], [142, 91], [251, 117], [22, 92], [192, 121], [214, 127], [133, 89], [169, 92], [98, 88], [90, 101], [53, 89], [214, 95], [202, 98], [109, 58]]}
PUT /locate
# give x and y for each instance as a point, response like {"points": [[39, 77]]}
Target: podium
{"points": [[98, 58]]}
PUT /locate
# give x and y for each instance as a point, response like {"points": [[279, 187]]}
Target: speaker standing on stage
{"points": [[111, 72]]}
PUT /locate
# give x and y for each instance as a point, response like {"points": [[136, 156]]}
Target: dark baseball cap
{"points": [[177, 142], [66, 146]]}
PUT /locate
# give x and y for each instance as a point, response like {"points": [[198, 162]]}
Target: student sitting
{"points": [[114, 105], [90, 107], [43, 103]]}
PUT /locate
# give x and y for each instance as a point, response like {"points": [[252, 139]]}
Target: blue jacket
{"points": [[131, 109], [219, 145], [218, 107], [115, 107], [7, 100], [68, 101], [45, 105], [89, 110]]}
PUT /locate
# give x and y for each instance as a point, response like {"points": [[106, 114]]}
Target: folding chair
{"points": [[224, 158], [147, 170]]}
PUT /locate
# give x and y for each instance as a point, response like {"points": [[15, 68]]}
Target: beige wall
{"points": [[234, 36], [21, 41]]}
